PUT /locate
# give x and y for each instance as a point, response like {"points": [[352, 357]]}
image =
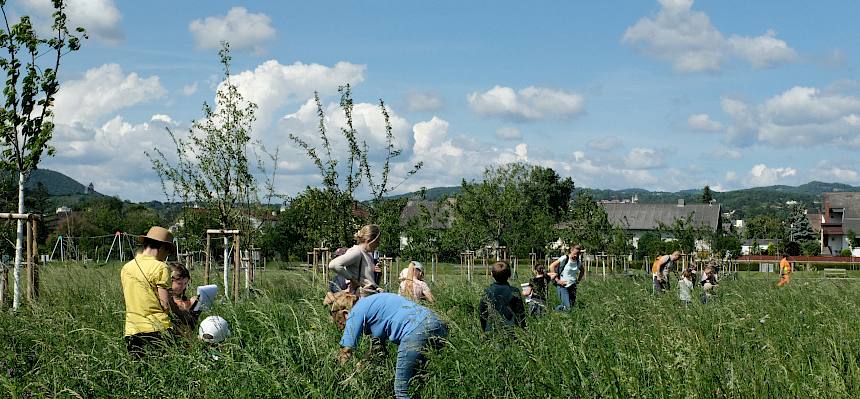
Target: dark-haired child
{"points": [[536, 291], [501, 305]]}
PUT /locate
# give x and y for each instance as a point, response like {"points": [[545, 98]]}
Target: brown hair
{"points": [[687, 274], [176, 267], [368, 233], [501, 271]]}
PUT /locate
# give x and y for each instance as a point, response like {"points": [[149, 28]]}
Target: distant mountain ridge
{"points": [[56, 183], [748, 202]]}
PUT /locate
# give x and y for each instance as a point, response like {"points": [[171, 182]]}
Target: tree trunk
{"points": [[19, 244], [226, 267]]}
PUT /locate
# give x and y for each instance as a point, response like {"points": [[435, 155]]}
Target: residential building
{"points": [[840, 216], [639, 219]]}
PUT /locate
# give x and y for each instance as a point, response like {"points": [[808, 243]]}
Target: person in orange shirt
{"points": [[785, 270]]}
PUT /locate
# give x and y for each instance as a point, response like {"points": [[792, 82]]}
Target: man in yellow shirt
{"points": [[785, 270], [145, 281]]}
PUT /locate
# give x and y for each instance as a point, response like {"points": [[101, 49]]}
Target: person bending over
{"points": [[390, 317]]}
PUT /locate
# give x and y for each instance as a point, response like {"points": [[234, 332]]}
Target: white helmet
{"points": [[213, 329]]}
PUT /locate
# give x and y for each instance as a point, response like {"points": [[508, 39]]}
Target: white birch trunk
{"points": [[19, 247]]}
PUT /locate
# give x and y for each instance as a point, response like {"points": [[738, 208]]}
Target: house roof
{"points": [[850, 203], [441, 217], [815, 221], [650, 216]]}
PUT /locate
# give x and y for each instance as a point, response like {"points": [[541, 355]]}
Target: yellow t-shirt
{"points": [[140, 279]]}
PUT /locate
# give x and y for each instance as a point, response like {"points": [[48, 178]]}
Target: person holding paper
{"points": [[182, 309]]}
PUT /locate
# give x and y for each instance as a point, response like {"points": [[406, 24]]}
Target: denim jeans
{"points": [[410, 353], [567, 295]]}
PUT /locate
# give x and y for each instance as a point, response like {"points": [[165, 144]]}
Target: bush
{"points": [[845, 252], [810, 248]]}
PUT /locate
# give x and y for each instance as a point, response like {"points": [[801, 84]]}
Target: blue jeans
{"points": [[410, 353], [567, 295]]}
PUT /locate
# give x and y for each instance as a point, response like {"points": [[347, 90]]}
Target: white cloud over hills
{"points": [[687, 39]]}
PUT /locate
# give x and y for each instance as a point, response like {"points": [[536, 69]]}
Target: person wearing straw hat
{"points": [[356, 264], [145, 283]]}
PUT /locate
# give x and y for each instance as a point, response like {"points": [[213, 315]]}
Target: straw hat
{"points": [[160, 234]]}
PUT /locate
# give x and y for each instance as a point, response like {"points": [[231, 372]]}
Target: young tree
{"points": [[342, 177], [706, 195], [799, 227], [513, 206], [211, 168], [588, 224], [31, 64]]}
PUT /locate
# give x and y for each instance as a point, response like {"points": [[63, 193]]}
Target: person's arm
{"points": [[428, 294], [164, 298], [553, 274], [341, 265], [581, 275], [161, 280], [352, 330]]}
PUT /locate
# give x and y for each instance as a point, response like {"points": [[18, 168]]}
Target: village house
{"points": [[638, 219], [840, 217]]}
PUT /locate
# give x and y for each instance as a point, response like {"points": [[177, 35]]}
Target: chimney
{"points": [[680, 202]]}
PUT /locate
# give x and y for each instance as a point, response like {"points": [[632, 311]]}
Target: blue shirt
{"points": [[570, 271], [384, 315]]}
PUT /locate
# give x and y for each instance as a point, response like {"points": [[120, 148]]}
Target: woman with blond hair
{"points": [[412, 285], [356, 265]]}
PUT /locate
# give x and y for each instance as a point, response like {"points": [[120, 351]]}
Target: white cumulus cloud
{"points": [[703, 123], [644, 158], [101, 18], [272, 85], [762, 175], [687, 39], [242, 29], [530, 103], [102, 91], [800, 116]]}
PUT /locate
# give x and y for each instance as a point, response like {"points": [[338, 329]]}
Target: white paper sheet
{"points": [[205, 296]]}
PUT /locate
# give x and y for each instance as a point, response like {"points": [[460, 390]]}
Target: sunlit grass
{"points": [[621, 341]]}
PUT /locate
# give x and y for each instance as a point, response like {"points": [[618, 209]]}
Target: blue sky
{"points": [[668, 94]]}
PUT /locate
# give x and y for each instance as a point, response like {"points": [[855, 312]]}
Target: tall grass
{"points": [[620, 341]]}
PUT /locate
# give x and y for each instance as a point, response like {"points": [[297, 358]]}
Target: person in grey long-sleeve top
{"points": [[356, 265]]}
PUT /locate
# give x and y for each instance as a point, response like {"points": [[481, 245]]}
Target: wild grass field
{"points": [[754, 341]]}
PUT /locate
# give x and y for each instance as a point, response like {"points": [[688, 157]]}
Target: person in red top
{"points": [[785, 270]]}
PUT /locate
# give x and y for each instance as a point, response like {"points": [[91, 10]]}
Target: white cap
{"points": [[213, 329], [417, 265]]}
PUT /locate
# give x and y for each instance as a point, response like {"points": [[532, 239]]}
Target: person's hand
{"points": [[377, 269], [562, 282], [343, 357], [552, 275]]}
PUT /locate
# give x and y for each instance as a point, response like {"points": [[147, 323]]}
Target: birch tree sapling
{"points": [[211, 164], [31, 64]]}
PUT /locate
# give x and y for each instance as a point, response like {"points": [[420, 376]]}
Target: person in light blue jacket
{"points": [[414, 328], [567, 272]]}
